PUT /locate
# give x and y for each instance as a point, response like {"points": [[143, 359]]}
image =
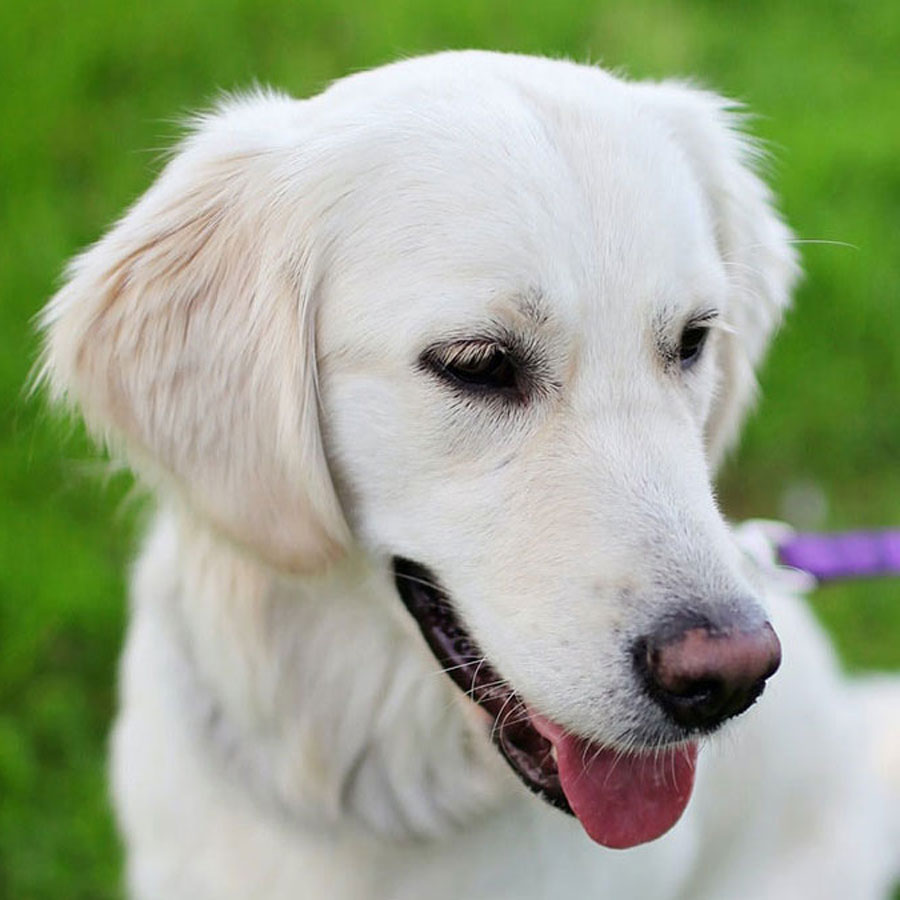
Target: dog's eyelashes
{"points": [[690, 348]]}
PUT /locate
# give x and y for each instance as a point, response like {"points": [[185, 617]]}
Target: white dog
{"points": [[431, 372]]}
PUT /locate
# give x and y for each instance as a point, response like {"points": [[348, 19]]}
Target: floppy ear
{"points": [[186, 337], [754, 243]]}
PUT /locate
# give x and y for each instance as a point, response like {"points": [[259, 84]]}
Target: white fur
{"points": [[248, 336]]}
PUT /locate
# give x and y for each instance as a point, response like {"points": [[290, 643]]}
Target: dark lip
{"points": [[528, 753]]}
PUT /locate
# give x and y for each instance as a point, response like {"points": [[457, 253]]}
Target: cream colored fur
{"points": [[249, 336]]}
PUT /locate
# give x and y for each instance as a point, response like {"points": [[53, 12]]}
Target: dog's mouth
{"points": [[621, 799]]}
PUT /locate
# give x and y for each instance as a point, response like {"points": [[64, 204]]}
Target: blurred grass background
{"points": [[90, 92]]}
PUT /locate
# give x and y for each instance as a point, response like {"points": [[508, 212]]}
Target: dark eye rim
{"points": [[692, 343], [493, 368]]}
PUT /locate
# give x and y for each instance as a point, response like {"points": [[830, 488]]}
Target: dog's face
{"points": [[530, 297]]}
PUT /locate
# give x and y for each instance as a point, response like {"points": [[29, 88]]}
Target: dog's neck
{"points": [[317, 693]]}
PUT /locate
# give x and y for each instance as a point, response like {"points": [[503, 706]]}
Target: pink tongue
{"points": [[621, 800]]}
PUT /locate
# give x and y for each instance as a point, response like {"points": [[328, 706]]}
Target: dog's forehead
{"points": [[503, 196]]}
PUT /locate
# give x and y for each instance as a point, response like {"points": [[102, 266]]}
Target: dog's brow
{"points": [[532, 306]]}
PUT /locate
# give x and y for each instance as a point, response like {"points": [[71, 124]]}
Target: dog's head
{"points": [[493, 319]]}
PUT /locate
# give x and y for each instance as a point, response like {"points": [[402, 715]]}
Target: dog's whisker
{"points": [[497, 719], [793, 241], [424, 582], [479, 660], [475, 675], [486, 686]]}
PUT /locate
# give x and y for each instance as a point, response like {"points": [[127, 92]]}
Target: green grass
{"points": [[90, 91]]}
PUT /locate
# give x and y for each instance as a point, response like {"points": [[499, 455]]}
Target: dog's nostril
{"points": [[701, 676]]}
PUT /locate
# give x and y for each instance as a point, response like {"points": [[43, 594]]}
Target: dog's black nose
{"points": [[702, 675]]}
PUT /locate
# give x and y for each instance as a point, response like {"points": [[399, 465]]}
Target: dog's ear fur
{"points": [[186, 337], [754, 243]]}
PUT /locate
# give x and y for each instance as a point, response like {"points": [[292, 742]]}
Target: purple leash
{"points": [[848, 554]]}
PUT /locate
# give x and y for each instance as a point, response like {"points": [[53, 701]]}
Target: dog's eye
{"points": [[482, 365], [691, 346]]}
